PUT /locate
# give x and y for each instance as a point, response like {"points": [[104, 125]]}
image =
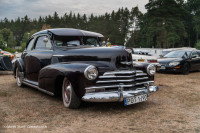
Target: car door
{"points": [[195, 60], [39, 57]]}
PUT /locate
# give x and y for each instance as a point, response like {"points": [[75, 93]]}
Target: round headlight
{"points": [[151, 69], [91, 72]]}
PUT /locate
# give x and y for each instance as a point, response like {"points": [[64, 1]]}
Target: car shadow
{"points": [[94, 106]]}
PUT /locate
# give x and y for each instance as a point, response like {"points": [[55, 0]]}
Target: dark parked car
{"points": [[72, 63], [181, 61], [5, 63]]}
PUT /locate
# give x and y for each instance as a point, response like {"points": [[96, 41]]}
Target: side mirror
{"points": [[45, 40]]}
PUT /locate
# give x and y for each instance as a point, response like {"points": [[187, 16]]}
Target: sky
{"points": [[12, 9]]}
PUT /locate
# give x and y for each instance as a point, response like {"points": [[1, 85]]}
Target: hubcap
{"points": [[18, 78], [67, 92]]}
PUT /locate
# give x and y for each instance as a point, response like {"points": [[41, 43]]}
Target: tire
{"points": [[186, 69], [18, 78], [70, 99]]}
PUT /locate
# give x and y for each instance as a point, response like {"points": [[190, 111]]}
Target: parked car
{"points": [[141, 51], [166, 51], [5, 53], [71, 63], [139, 58], [5, 63], [181, 61]]}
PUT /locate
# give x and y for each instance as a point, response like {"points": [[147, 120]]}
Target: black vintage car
{"points": [[72, 63], [180, 61]]}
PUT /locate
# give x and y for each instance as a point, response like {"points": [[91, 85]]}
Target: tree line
{"points": [[167, 23]]}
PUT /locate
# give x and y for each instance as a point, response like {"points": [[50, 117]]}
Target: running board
{"points": [[35, 85]]}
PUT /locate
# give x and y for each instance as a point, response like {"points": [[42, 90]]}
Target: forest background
{"points": [[166, 24]]}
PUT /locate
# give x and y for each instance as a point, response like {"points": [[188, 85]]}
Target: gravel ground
{"points": [[174, 108]]}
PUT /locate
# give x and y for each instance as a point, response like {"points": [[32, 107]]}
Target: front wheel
{"points": [[70, 99], [186, 68], [18, 78]]}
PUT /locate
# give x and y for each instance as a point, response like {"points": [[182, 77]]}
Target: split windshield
{"points": [[68, 41], [178, 54]]}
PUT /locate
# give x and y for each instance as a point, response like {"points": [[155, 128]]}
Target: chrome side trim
{"points": [[58, 55], [35, 85]]}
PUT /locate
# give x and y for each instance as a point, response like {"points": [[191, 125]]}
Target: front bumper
{"points": [[118, 96], [171, 69]]}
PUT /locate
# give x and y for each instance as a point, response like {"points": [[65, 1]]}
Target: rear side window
{"points": [[30, 45], [198, 53], [40, 44], [194, 53]]}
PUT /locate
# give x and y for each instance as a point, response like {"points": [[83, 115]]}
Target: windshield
{"points": [[67, 41], [165, 52], [178, 54]]}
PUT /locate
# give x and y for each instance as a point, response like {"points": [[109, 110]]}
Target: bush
{"points": [[9, 50], [197, 46]]}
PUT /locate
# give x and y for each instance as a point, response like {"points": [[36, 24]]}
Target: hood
{"points": [[167, 60], [102, 55]]}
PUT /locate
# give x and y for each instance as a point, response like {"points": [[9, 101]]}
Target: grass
{"points": [[174, 108], [3, 94]]}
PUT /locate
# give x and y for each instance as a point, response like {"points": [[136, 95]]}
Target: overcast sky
{"points": [[35, 8]]}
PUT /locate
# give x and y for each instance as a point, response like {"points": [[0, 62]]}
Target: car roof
{"points": [[70, 32], [181, 48]]}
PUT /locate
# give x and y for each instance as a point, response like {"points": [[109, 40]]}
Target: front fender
{"points": [[50, 77], [18, 63]]}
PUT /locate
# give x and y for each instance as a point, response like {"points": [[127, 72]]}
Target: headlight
{"points": [[91, 72], [151, 69], [174, 63]]}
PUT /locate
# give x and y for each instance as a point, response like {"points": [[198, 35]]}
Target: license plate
{"points": [[135, 99], [162, 67], [141, 60]]}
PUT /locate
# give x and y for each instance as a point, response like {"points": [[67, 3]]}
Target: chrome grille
{"points": [[110, 81]]}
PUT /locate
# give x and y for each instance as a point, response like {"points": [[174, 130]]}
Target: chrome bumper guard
{"points": [[119, 95]]}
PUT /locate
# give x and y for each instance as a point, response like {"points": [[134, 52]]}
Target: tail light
{"points": [[152, 61]]}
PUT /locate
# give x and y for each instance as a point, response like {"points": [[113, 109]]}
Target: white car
{"points": [[138, 58]]}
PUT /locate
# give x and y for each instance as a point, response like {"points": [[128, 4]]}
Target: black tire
{"points": [[186, 69], [18, 78], [70, 99]]}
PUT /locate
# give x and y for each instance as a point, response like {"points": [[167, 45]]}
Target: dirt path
{"points": [[175, 108]]}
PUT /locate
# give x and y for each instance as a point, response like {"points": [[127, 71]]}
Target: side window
{"points": [[40, 44], [30, 45], [195, 54], [198, 53]]}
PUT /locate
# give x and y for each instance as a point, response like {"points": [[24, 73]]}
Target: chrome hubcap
{"points": [[67, 92], [18, 78]]}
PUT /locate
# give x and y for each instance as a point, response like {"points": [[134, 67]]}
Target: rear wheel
{"points": [[186, 68], [70, 99], [18, 78]]}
